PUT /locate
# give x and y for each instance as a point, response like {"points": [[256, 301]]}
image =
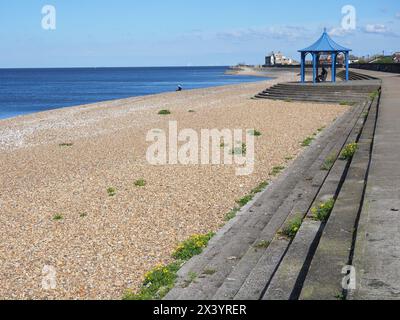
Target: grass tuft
{"points": [[140, 183], [209, 272], [277, 170], [58, 217], [231, 214], [255, 133], [307, 142], [348, 151], [160, 280], [111, 191], [164, 112], [262, 244], [192, 247], [240, 151], [291, 228], [328, 163], [66, 144], [373, 95], [245, 200], [260, 187], [323, 211], [347, 103]]}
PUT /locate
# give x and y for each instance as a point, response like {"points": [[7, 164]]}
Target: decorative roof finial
{"points": [[325, 30]]}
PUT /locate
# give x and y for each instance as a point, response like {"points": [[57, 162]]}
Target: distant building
{"points": [[277, 59], [327, 59]]}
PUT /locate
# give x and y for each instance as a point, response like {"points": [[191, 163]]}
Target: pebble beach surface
{"points": [[56, 167]]}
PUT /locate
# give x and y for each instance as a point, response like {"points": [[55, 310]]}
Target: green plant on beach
{"points": [[340, 296], [160, 280], [209, 272], [157, 283], [277, 170], [328, 162], [140, 183], [307, 141], [191, 111], [322, 212], [260, 187], [111, 191], [66, 144], [347, 103], [291, 228], [231, 214], [164, 112], [255, 133], [288, 158], [240, 151], [58, 217], [348, 151], [245, 200], [192, 247], [262, 244], [83, 214], [321, 129], [373, 95]]}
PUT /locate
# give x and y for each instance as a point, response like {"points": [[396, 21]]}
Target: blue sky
{"points": [[185, 32]]}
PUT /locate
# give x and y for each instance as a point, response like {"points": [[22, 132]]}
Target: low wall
{"points": [[384, 67]]}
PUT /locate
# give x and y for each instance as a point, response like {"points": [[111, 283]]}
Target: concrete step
{"points": [[324, 277], [305, 99], [287, 281], [322, 92], [308, 190]]}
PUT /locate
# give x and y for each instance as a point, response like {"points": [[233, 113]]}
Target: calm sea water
{"points": [[25, 91]]}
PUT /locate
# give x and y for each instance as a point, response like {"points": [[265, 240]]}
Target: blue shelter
{"points": [[324, 45]]}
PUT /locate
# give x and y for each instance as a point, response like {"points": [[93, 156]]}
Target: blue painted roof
{"points": [[325, 44]]}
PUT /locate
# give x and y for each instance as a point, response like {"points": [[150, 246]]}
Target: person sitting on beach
{"points": [[179, 88], [322, 77]]}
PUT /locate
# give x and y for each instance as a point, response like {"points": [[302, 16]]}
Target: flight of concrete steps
{"points": [[341, 92], [249, 259], [354, 76]]}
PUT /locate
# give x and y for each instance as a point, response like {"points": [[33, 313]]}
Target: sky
{"points": [[129, 33]]}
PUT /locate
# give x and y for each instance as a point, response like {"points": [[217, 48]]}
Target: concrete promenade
{"points": [[377, 250]]}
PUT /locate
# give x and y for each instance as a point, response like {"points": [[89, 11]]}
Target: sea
{"points": [[24, 91]]}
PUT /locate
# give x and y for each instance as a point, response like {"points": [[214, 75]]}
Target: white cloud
{"points": [[275, 32], [379, 29], [339, 32], [398, 15], [376, 28]]}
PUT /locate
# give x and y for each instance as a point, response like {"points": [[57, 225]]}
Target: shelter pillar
{"points": [[303, 67], [314, 55], [333, 58], [347, 65]]}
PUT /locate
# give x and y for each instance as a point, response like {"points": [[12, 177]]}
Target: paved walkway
{"points": [[377, 252]]}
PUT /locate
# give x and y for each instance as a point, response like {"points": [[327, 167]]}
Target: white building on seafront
{"points": [[277, 59]]}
